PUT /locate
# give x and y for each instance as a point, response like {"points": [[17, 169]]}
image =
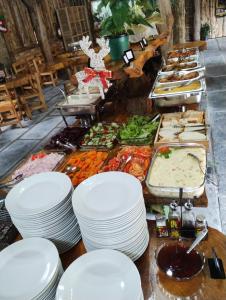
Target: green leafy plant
{"points": [[122, 14], [204, 31]]}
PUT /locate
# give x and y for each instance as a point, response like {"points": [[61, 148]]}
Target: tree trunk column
{"points": [[167, 17], [43, 34], [197, 21], [35, 11], [180, 24]]}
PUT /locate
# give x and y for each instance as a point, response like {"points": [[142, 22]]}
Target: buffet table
{"points": [[157, 285]]}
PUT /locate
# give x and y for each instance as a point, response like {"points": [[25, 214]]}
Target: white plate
{"points": [[95, 232], [107, 195], [38, 193], [122, 219], [113, 226], [100, 275], [26, 268]]}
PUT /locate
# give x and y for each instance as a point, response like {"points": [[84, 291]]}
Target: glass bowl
{"points": [[175, 263]]}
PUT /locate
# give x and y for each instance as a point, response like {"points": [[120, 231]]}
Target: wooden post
{"points": [[179, 25], [35, 10]]}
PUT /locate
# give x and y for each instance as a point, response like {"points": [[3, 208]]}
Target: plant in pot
{"points": [[119, 16], [204, 31]]}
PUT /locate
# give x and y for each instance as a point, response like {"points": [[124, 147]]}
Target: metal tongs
{"points": [[11, 183], [66, 145]]}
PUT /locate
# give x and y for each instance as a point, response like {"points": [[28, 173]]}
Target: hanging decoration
{"points": [[3, 27]]}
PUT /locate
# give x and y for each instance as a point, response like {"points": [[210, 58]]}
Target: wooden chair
{"points": [[33, 98], [47, 76], [20, 67], [9, 109]]}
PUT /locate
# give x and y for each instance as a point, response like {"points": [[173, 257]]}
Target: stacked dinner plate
{"points": [[30, 270], [101, 275], [111, 213], [40, 206]]}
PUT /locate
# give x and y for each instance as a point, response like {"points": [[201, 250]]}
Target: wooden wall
{"points": [[218, 24], [20, 33]]}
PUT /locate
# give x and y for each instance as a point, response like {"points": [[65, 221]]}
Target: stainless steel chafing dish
{"points": [[191, 58], [160, 76], [198, 67], [81, 104], [178, 98], [195, 49]]}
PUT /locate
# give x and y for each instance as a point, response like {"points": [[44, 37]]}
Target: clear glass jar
{"points": [[161, 226], [200, 224], [188, 221], [174, 221]]}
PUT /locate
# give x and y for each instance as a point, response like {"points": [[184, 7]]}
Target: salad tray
{"points": [[85, 164], [101, 136], [138, 131], [134, 160]]}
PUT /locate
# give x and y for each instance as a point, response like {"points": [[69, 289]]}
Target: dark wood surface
{"points": [[158, 286]]}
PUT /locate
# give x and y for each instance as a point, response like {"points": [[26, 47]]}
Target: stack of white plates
{"points": [[101, 275], [30, 270], [40, 206], [111, 213]]}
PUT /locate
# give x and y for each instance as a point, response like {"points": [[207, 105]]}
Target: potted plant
{"points": [[119, 15], [204, 31]]}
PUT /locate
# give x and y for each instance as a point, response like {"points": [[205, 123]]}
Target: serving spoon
{"points": [[199, 238], [199, 163]]}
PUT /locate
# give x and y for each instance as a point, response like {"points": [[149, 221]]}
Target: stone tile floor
{"points": [[16, 143]]}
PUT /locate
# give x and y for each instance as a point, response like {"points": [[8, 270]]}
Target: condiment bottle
{"points": [[200, 224], [161, 226], [188, 221], [174, 221]]}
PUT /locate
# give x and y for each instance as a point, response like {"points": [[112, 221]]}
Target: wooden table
{"points": [[18, 81], [158, 286], [62, 63]]}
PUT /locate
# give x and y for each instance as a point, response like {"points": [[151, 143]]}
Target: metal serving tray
{"points": [[173, 192], [180, 73], [185, 50], [153, 95], [199, 67], [181, 98], [194, 58]]}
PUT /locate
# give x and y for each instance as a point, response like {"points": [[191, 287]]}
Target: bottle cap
{"points": [[188, 205], [173, 205], [200, 218]]}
